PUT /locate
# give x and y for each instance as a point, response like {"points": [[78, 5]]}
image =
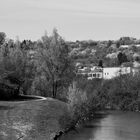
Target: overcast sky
{"points": [[74, 19]]}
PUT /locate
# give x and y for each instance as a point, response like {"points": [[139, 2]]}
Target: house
{"points": [[105, 73], [90, 73], [83, 71], [95, 73], [112, 72], [108, 72]]}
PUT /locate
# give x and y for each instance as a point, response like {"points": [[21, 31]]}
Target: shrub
{"points": [[122, 92], [81, 106], [77, 103]]}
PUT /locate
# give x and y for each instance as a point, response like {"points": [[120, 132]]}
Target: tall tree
{"points": [[54, 65]]}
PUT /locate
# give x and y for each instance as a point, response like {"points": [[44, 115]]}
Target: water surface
{"points": [[112, 125]]}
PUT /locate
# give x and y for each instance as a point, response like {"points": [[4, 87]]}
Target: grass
{"points": [[31, 120]]}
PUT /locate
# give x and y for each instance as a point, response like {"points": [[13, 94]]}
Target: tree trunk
{"points": [[54, 89]]}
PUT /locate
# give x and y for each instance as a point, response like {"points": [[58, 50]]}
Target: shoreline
{"points": [[80, 125]]}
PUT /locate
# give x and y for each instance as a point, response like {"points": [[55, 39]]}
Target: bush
{"points": [[81, 105], [77, 103], [122, 92], [14, 70]]}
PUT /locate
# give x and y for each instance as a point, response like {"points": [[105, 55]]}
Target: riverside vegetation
{"points": [[88, 96], [47, 68]]}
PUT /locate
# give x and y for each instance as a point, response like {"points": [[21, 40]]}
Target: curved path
{"points": [[31, 120]]}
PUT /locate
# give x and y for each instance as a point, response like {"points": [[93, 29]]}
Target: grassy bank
{"points": [[38, 120]]}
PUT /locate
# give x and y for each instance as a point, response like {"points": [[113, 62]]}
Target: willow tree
{"points": [[55, 67]]}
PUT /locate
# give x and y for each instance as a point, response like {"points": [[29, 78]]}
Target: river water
{"points": [[109, 125]]}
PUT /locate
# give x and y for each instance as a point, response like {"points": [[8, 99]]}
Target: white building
{"points": [[112, 72], [107, 72], [95, 73]]}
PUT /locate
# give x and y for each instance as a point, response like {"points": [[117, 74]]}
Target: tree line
{"points": [[43, 67]]}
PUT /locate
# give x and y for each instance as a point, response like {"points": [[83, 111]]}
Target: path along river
{"points": [[109, 125]]}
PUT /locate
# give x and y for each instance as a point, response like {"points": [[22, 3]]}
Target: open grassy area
{"points": [[31, 120]]}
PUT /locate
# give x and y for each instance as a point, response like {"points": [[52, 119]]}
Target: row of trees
{"points": [[42, 67], [45, 68]]}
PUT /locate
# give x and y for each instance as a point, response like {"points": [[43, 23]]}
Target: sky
{"points": [[74, 19]]}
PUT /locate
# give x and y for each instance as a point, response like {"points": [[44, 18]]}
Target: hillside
{"points": [[124, 51]]}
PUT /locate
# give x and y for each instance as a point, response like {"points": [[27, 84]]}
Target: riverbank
{"points": [[38, 120], [109, 125], [75, 130]]}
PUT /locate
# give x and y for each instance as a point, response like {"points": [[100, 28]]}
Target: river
{"points": [[109, 125]]}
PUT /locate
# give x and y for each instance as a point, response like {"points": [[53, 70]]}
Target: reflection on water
{"points": [[35, 120], [114, 125]]}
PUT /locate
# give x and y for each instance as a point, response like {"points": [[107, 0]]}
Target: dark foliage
{"points": [[122, 58]]}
